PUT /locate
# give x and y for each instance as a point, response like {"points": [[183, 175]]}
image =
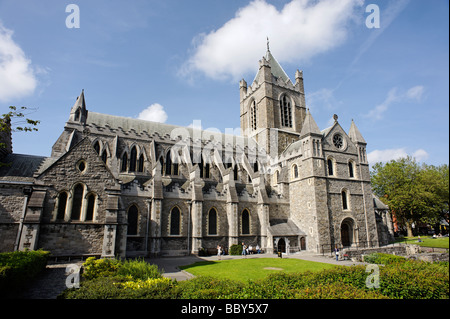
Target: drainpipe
{"points": [[189, 227], [148, 223]]}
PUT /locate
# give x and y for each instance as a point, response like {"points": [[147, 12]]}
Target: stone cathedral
{"points": [[118, 186]]}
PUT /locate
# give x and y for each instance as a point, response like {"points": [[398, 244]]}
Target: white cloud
{"points": [[394, 154], [16, 74], [415, 93], [302, 29], [154, 113]]}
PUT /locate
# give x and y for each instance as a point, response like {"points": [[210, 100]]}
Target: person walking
{"points": [[219, 252], [244, 250]]}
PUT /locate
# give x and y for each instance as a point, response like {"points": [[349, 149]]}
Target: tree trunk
{"points": [[409, 232]]}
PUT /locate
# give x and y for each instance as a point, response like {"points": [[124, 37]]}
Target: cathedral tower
{"points": [[272, 108]]}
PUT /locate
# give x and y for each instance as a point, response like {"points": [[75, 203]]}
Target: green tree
{"points": [[414, 193], [15, 120]]}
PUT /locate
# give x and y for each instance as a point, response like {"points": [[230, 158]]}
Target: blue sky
{"points": [[179, 61]]}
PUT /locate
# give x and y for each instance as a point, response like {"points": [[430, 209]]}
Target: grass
{"points": [[252, 268], [427, 241]]}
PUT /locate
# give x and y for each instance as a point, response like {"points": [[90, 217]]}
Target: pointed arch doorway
{"points": [[347, 232], [281, 245]]}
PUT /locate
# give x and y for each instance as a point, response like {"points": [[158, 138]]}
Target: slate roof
{"points": [[21, 167], [378, 204], [140, 126], [287, 227], [275, 67]]}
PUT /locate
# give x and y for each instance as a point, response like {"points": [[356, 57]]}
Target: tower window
{"points": [[295, 171], [350, 169], [330, 167], [344, 200], [286, 112], [253, 114]]}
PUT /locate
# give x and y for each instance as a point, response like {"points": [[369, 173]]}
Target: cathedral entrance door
{"points": [[281, 245], [345, 235], [302, 243]]}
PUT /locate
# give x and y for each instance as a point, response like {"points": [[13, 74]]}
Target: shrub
{"points": [[385, 259], [337, 290], [235, 249], [19, 267], [95, 268], [205, 287], [139, 269], [415, 280]]}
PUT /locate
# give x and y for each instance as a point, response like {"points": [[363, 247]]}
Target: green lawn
{"points": [[427, 241], [252, 268]]}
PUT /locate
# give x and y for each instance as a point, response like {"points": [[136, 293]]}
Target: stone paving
{"points": [[52, 281]]}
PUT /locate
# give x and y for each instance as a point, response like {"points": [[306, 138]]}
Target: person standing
{"points": [[244, 250], [336, 251]]}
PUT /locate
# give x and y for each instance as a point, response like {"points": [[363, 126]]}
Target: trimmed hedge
{"points": [[398, 279], [19, 267]]}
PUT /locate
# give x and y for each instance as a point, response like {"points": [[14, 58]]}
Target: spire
{"points": [[355, 134], [268, 49], [309, 126], [78, 113]]}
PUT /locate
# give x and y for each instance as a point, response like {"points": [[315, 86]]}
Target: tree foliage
{"points": [[15, 120], [414, 193]]}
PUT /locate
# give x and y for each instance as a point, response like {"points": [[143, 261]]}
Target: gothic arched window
{"points": [[62, 204], [97, 147], [133, 158], [330, 167], [132, 220], [344, 199], [77, 202], [212, 222], [351, 172], [141, 163], [295, 171], [104, 156], [90, 207], [286, 112], [123, 168], [245, 222], [175, 218]]}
